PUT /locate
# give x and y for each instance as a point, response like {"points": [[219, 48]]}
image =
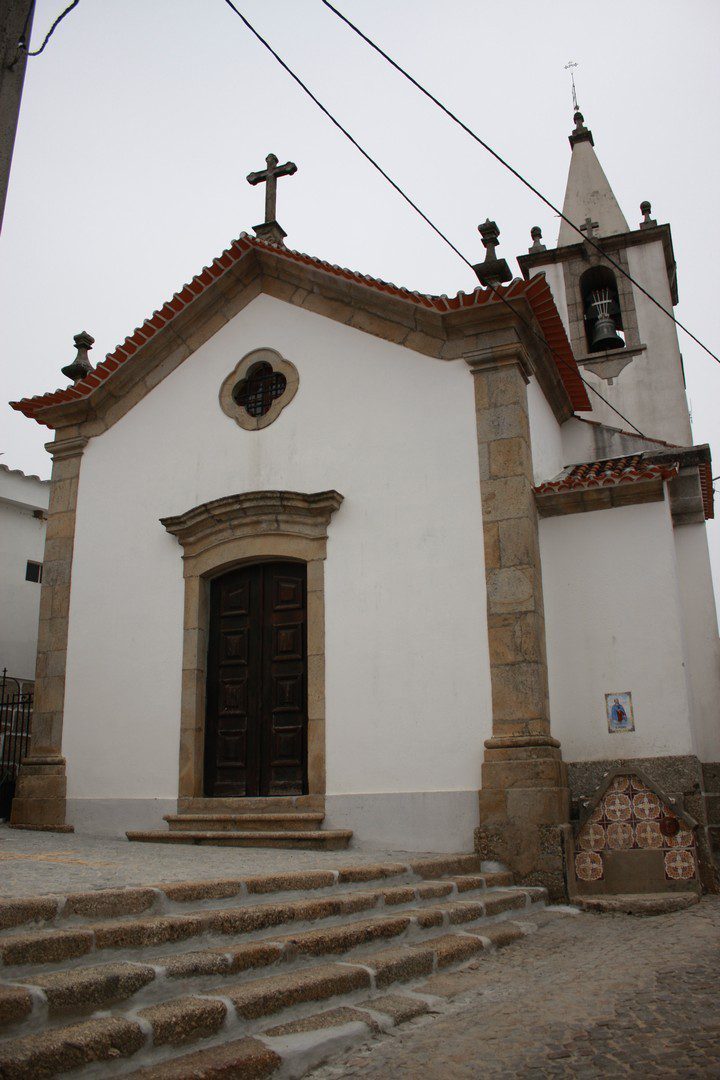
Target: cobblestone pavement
{"points": [[587, 996], [36, 862]]}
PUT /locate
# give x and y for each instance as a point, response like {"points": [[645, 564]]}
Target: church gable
{"points": [[438, 326]]}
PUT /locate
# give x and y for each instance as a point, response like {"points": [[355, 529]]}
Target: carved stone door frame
{"points": [[215, 536]]}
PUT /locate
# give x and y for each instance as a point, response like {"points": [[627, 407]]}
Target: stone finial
{"points": [[536, 237], [492, 271], [580, 132], [81, 365], [646, 209]]}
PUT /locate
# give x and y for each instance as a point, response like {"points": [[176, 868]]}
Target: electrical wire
{"points": [[422, 214], [516, 173], [53, 28]]}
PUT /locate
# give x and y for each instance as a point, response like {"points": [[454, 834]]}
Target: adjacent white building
{"points": [[23, 514]]}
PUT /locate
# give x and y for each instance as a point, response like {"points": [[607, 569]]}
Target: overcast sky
{"points": [[142, 118]]}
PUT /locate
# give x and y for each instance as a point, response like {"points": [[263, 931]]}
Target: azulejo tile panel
{"points": [[628, 817]]}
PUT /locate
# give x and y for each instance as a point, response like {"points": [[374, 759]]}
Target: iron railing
{"points": [[15, 717]]}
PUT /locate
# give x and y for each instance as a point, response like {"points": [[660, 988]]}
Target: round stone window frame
{"points": [[239, 413]]}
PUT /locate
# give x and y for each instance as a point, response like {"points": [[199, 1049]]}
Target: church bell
{"points": [[604, 334]]}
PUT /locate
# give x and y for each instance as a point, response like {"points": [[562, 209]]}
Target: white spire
{"points": [[589, 200]]}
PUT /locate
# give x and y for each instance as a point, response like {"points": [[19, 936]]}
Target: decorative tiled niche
{"points": [[634, 839]]}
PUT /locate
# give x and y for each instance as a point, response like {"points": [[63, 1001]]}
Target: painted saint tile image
{"points": [[619, 712]]}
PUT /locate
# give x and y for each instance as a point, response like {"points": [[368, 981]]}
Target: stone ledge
{"points": [[639, 904]]}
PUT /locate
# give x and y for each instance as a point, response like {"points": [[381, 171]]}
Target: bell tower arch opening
{"points": [[602, 312]]}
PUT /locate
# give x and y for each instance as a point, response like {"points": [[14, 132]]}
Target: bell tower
{"points": [[625, 345]]}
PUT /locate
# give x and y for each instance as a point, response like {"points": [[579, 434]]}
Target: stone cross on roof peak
{"points": [[270, 230]]}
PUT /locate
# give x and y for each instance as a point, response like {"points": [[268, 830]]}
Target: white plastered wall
{"points": [[22, 538], [613, 623], [545, 435], [700, 628], [662, 414], [407, 672]]}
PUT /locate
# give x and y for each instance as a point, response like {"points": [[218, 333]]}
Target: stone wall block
{"points": [[422, 343], [510, 589], [205, 330], [60, 603], [55, 636], [505, 386], [332, 309], [63, 496], [195, 647], [523, 753], [493, 805], [527, 773], [519, 543], [519, 692], [61, 525], [491, 540], [56, 571], [382, 328], [316, 623], [160, 371], [191, 762], [46, 601], [502, 422], [316, 755], [507, 498], [50, 693], [538, 725], [315, 575], [549, 805], [43, 786], [316, 687], [59, 550], [54, 664], [484, 461], [38, 811], [515, 637], [510, 457]]}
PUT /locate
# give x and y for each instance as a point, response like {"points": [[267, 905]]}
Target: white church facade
{"points": [[381, 563]]}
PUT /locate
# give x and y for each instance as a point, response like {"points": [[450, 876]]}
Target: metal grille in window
{"points": [[262, 386]]}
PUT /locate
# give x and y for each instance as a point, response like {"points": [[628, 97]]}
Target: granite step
{"points": [[177, 896], [259, 822], [77, 991], [149, 1038], [22, 951], [294, 1048], [307, 839]]}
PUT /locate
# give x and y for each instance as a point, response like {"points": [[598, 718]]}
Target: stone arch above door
{"points": [[250, 527]]}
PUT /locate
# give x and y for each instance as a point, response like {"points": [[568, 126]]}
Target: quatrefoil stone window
{"points": [[257, 390]]}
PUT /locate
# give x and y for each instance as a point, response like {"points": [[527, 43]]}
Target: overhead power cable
{"points": [[51, 31], [506, 164], [422, 214]]}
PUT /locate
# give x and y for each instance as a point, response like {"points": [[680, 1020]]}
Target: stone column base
{"points": [[40, 794], [525, 810]]}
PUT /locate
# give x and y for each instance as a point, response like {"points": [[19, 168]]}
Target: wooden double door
{"points": [[256, 716]]}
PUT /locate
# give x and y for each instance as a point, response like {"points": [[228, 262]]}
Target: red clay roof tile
{"points": [[626, 470]]}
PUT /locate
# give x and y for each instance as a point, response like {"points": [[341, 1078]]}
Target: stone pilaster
{"points": [[40, 794], [524, 800]]}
